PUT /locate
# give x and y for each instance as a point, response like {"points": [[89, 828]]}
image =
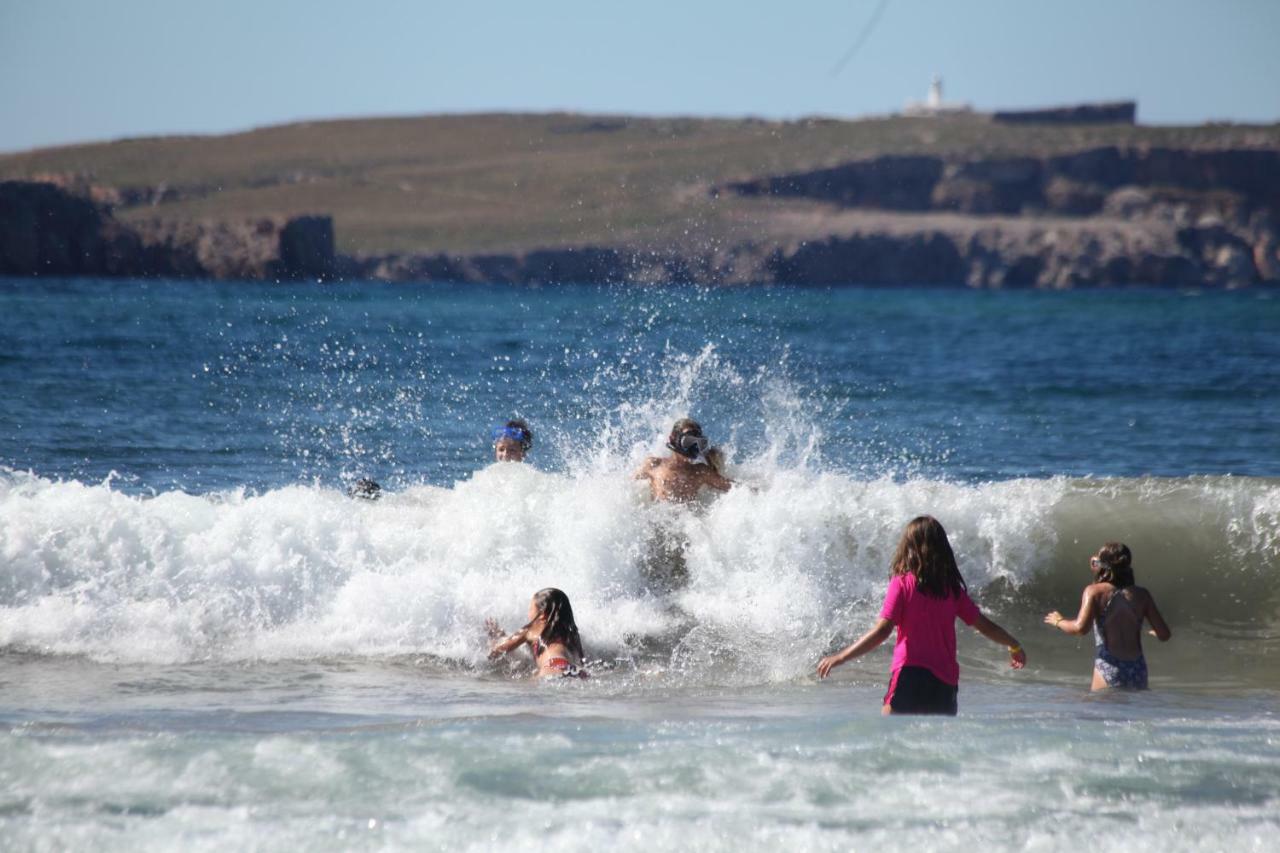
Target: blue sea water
{"points": [[202, 386], [205, 643]]}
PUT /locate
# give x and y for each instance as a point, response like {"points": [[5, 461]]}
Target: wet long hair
{"points": [[924, 551], [559, 627], [1117, 565]]}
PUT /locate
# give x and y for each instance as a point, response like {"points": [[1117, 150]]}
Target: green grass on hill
{"points": [[507, 182]]}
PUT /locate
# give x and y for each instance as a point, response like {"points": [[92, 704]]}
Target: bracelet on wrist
{"points": [[1015, 649]]}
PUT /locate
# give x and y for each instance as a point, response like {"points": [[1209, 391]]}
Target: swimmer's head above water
{"points": [[692, 465], [1113, 564], [687, 440], [512, 441], [925, 551], [550, 633], [365, 488], [550, 607]]}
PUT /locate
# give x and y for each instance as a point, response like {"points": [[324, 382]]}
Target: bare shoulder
{"points": [[1098, 592], [647, 468]]}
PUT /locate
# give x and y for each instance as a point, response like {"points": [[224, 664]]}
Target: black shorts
{"points": [[916, 690]]}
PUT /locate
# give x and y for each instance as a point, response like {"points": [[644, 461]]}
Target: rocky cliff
{"points": [[1082, 183], [949, 252], [46, 230], [1097, 217], [1100, 216]]}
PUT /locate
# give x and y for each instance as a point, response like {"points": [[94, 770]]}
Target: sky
{"points": [[88, 70]]}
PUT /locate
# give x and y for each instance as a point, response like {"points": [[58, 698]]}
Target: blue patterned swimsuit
{"points": [[1130, 674]]}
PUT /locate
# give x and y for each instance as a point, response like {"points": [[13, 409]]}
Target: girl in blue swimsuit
{"points": [[1116, 608]]}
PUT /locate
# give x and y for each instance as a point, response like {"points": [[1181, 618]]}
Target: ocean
{"points": [[206, 644]]}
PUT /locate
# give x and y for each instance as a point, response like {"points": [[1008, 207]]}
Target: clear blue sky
{"points": [[77, 70]]}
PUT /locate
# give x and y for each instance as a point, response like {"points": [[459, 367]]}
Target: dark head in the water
{"points": [[686, 438], [925, 552], [553, 605], [1113, 564], [366, 489]]}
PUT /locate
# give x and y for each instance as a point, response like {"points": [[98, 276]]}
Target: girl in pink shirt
{"points": [[926, 595]]}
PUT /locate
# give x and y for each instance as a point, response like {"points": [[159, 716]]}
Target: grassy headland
{"points": [[510, 183]]}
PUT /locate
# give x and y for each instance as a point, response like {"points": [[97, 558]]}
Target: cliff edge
{"points": [[959, 200]]}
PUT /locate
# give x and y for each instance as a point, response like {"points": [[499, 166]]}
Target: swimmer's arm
{"points": [[868, 641], [717, 481], [500, 648], [1083, 621], [996, 634], [1159, 629]]}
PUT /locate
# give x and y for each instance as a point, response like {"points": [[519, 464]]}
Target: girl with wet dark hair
{"points": [[1115, 607], [925, 597], [550, 633]]}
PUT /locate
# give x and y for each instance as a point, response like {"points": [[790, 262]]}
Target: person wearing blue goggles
{"points": [[511, 441]]}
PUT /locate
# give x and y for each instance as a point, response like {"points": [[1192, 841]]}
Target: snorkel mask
{"points": [[522, 436], [690, 444]]}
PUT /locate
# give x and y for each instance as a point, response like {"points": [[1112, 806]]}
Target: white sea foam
{"points": [[784, 563]]}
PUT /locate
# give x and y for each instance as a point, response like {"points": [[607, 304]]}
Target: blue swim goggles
{"points": [[513, 433]]}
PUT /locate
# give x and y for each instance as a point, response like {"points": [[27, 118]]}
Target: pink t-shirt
{"points": [[926, 627]]}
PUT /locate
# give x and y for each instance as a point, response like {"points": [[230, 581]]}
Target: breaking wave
{"points": [[778, 569]]}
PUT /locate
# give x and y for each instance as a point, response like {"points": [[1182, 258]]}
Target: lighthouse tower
{"points": [[934, 101], [933, 105]]}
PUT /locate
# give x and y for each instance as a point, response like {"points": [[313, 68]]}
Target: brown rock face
{"points": [[243, 250], [1073, 198], [1222, 205], [1026, 184], [874, 258], [893, 183], [45, 230], [1095, 224], [305, 248]]}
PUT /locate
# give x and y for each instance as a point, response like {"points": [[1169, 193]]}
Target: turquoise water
{"points": [[204, 643]]}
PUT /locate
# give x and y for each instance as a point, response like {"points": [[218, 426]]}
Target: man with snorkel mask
{"points": [[512, 441], [680, 476]]}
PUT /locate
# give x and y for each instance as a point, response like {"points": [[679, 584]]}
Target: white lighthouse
{"points": [[933, 105]]}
